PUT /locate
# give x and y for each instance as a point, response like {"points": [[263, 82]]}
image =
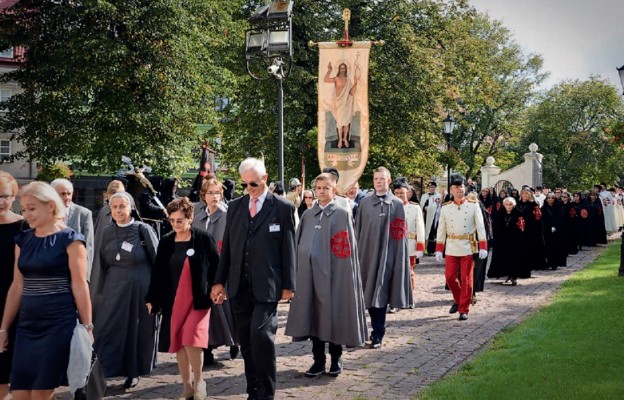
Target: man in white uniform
{"points": [[431, 203]]}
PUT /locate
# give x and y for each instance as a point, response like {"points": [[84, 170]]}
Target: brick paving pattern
{"points": [[421, 345]]}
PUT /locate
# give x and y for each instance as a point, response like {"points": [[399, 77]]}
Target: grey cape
{"points": [[222, 329], [381, 234], [328, 302]]}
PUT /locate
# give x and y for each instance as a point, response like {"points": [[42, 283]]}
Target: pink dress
{"points": [[189, 327]]}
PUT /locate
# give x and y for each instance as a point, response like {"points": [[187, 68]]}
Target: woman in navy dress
{"points": [[49, 286]]}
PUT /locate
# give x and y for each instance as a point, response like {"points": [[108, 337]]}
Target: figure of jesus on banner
{"points": [[344, 93]]}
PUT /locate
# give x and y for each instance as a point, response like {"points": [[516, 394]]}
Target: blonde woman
{"points": [[49, 286]]}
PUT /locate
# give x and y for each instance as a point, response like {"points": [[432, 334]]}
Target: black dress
{"points": [[7, 263], [571, 222], [553, 224], [585, 227], [533, 237], [509, 258], [600, 231]]}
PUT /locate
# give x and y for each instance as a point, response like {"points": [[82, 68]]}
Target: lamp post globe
{"points": [[449, 126]]}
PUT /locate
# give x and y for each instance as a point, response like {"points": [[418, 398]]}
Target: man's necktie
{"points": [[252, 209]]}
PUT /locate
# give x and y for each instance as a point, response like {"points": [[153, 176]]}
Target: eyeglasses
{"points": [[252, 184], [213, 193], [6, 197], [308, 197], [173, 221]]}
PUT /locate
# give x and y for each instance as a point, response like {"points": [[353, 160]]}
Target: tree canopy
{"points": [[577, 126], [110, 78]]}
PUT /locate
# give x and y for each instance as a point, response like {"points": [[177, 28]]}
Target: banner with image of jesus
{"points": [[343, 110]]}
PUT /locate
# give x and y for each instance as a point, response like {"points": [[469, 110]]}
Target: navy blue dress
{"points": [[48, 315]]}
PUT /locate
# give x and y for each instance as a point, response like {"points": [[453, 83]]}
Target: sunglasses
{"points": [[308, 197], [252, 184]]}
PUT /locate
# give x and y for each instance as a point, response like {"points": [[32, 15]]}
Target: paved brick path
{"points": [[421, 345]]}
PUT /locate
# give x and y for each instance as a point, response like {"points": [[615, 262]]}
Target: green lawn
{"points": [[571, 349]]}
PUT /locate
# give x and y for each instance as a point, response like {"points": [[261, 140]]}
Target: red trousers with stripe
{"points": [[460, 287]]}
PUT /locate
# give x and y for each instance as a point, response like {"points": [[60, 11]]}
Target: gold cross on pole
{"points": [[346, 17]]}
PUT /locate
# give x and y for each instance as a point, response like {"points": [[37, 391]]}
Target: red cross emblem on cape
{"points": [[572, 212], [584, 213], [537, 213], [398, 229], [340, 245], [219, 246], [520, 223]]}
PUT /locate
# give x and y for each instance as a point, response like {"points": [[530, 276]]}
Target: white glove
{"points": [[438, 256], [419, 254], [553, 230], [483, 254]]}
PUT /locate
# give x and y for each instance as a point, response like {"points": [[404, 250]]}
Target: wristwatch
{"points": [[88, 327]]}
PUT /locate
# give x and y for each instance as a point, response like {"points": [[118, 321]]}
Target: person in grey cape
{"points": [[212, 220], [381, 233], [328, 305], [125, 334]]}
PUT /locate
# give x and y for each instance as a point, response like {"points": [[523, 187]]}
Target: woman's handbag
{"points": [[95, 387]]}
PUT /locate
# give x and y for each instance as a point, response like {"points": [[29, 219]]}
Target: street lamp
{"points": [[621, 73], [268, 39], [621, 270], [449, 125]]}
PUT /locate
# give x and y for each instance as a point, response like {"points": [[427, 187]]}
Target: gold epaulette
{"points": [[471, 200]]}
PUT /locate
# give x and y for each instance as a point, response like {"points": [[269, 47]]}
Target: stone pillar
{"points": [[489, 173], [534, 160]]}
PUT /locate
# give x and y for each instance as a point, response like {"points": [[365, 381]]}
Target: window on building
{"points": [[5, 150], [5, 94], [8, 53]]}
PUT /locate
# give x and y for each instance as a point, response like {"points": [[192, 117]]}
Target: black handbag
{"points": [[95, 388]]}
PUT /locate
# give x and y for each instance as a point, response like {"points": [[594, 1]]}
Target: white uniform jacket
{"points": [[459, 226]]}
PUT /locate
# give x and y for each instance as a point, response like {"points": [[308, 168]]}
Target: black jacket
{"points": [[203, 263], [269, 241]]}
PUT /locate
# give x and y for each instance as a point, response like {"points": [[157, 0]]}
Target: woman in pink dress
{"points": [[186, 263]]}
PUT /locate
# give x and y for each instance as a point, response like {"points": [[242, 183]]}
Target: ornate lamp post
{"points": [[268, 39], [621, 270], [449, 126]]}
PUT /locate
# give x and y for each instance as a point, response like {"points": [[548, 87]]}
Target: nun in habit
{"points": [[125, 334]]}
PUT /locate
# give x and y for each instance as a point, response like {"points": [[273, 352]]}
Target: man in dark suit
{"points": [[258, 265]]}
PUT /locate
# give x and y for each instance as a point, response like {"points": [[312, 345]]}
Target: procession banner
{"points": [[343, 109]]}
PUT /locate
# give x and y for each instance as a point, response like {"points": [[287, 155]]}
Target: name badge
{"points": [[274, 228], [125, 246]]}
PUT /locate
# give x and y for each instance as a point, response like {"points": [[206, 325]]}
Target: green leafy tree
{"points": [[575, 124], [104, 79], [405, 83], [491, 83]]}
